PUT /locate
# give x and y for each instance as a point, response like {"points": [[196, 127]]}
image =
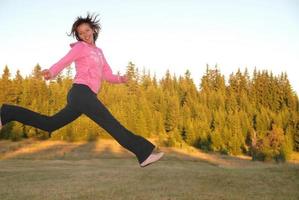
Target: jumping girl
{"points": [[91, 69]]}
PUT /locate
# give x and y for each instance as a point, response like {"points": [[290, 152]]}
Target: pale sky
{"points": [[158, 35]]}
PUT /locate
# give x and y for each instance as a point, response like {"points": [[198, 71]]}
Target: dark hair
{"points": [[90, 19]]}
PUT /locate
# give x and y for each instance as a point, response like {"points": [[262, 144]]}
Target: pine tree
{"points": [[36, 74], [18, 84]]}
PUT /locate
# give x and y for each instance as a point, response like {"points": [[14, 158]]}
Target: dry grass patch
{"points": [[54, 170]]}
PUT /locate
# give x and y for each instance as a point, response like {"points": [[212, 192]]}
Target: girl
{"points": [[91, 69]]}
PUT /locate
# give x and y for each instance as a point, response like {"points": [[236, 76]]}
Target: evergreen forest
{"points": [[251, 114]]}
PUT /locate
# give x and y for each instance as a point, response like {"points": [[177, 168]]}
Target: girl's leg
{"points": [[43, 122], [87, 103], [141, 147]]}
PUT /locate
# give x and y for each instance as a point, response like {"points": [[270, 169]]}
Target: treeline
{"points": [[257, 115]]}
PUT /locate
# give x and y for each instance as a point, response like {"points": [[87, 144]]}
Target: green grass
{"points": [[91, 171]]}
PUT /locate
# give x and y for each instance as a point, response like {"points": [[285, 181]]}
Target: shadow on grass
{"points": [[39, 150], [109, 148]]}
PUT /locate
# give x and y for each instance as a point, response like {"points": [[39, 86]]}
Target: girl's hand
{"points": [[124, 79], [46, 74]]}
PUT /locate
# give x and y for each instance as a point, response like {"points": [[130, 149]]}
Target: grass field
{"points": [[103, 170]]}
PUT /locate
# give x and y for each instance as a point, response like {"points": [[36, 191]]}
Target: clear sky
{"points": [[158, 35]]}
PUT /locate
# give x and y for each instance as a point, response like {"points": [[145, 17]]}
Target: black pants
{"points": [[80, 100]]}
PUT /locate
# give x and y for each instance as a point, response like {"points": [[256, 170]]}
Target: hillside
{"points": [[51, 170]]}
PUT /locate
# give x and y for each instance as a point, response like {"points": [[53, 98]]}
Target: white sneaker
{"points": [[151, 159]]}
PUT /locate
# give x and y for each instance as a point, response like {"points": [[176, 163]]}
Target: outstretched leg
{"points": [[47, 123], [136, 144], [84, 100]]}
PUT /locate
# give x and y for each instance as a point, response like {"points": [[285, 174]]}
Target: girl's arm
{"points": [[109, 76], [72, 55]]}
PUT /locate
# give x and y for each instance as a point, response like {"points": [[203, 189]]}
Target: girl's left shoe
{"points": [[154, 157]]}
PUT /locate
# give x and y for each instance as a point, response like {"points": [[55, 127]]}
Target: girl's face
{"points": [[85, 33]]}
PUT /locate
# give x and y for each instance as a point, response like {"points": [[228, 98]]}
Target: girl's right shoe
{"points": [[154, 157]]}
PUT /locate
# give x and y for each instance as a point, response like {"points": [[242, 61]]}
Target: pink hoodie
{"points": [[91, 66]]}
